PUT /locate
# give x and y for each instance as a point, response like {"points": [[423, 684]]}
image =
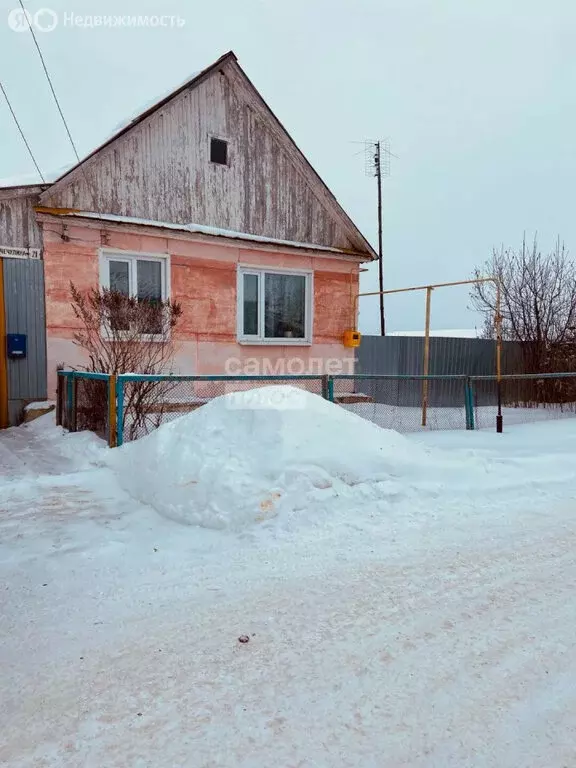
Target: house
{"points": [[206, 197]]}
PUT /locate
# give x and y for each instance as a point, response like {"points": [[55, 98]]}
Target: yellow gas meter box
{"points": [[352, 338]]}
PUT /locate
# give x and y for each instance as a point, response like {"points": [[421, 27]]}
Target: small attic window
{"points": [[219, 151]]}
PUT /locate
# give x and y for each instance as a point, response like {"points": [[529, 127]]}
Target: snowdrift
{"points": [[250, 456]]}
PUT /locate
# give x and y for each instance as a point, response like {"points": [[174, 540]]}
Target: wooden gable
{"points": [[159, 168], [18, 225]]}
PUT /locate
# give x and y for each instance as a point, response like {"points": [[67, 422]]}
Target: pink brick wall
{"points": [[203, 280]]}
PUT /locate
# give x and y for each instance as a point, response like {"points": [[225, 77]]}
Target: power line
{"points": [[50, 81], [21, 132]]}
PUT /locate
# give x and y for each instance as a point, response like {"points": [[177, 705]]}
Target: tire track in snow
{"points": [[430, 664]]}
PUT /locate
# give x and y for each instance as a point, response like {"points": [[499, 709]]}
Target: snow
{"points": [[249, 456], [451, 333], [200, 229], [33, 179], [147, 105], [431, 625], [409, 419], [40, 405]]}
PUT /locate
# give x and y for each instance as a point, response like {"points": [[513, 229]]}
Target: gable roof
{"points": [[329, 199], [191, 82]]}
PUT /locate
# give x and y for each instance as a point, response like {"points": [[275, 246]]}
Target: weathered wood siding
{"points": [[161, 170], [18, 227]]}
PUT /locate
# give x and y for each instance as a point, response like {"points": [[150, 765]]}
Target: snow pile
{"points": [[249, 456], [40, 406], [450, 333]]}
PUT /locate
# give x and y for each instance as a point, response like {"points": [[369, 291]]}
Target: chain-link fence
{"points": [[92, 405], [405, 403], [146, 402], [127, 407], [523, 399], [83, 402]]}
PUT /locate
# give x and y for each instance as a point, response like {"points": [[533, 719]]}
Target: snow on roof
{"points": [[202, 229], [452, 333], [33, 179], [148, 104], [153, 106]]}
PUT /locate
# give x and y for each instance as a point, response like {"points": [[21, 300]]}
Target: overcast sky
{"points": [[477, 97]]}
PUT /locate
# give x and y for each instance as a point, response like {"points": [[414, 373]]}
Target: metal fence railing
{"points": [[407, 403], [84, 401], [146, 402], [129, 406], [523, 399]]}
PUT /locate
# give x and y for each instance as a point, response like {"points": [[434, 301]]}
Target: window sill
{"points": [[127, 337]]}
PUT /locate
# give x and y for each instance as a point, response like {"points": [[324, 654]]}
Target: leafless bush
{"points": [[124, 334]]}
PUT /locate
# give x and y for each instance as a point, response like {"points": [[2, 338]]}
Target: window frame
{"points": [[260, 338], [106, 255]]}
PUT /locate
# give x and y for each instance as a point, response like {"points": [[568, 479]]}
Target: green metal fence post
{"points": [[325, 387], [59, 385], [469, 404], [331, 388], [119, 411], [70, 420]]}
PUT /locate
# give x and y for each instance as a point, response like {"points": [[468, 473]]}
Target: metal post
{"points": [[499, 419], [74, 403], [325, 386], [331, 388], [469, 404], [498, 329], [119, 411], [426, 357], [69, 401], [59, 382], [112, 412]]}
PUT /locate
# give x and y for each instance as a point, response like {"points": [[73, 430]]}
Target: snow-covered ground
{"points": [[409, 601], [409, 419]]}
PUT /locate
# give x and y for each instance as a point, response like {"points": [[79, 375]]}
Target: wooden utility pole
{"points": [[377, 163], [378, 166]]}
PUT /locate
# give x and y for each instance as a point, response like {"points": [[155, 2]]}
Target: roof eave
{"points": [[44, 213]]}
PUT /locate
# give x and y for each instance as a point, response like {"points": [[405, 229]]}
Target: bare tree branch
{"points": [[538, 303]]}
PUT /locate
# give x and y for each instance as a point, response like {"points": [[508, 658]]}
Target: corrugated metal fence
{"points": [[403, 356], [25, 313]]}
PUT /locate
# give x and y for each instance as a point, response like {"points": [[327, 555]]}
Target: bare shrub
{"points": [[124, 334]]}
